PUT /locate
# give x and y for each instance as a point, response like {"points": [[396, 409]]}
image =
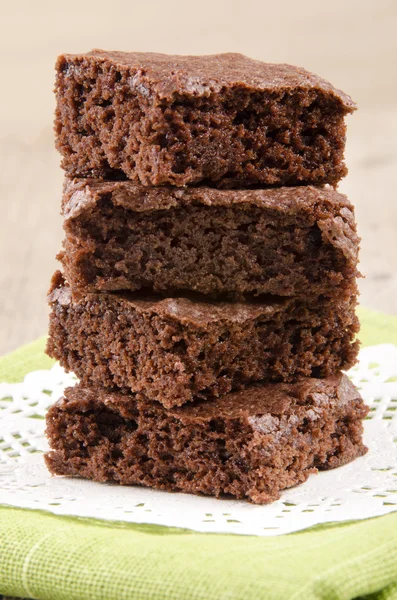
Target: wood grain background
{"points": [[350, 42]]}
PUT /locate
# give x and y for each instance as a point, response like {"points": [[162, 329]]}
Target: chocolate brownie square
{"points": [[229, 244], [178, 349], [225, 119], [249, 444]]}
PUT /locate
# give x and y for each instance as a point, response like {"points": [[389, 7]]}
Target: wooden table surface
{"points": [[353, 44]]}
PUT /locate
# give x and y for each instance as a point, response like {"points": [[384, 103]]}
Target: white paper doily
{"points": [[362, 489]]}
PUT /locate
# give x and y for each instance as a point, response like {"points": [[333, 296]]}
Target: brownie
{"points": [[223, 243], [223, 119], [250, 444], [178, 349]]}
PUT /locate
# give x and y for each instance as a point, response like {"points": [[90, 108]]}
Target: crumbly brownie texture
{"points": [[175, 349], [223, 119], [223, 243], [250, 444]]}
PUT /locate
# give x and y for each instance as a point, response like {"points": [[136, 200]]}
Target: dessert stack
{"points": [[208, 288]]}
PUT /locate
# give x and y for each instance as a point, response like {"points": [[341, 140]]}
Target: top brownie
{"points": [[224, 120]]}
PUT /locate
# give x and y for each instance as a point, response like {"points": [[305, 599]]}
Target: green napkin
{"points": [[62, 558]]}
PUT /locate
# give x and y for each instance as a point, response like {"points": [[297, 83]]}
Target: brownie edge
{"points": [[250, 444]]}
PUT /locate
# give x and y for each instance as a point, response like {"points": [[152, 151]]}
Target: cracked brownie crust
{"points": [[225, 119], [249, 444]]}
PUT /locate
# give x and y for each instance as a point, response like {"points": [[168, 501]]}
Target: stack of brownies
{"points": [[207, 301]]}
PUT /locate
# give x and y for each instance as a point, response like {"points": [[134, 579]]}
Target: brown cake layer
{"points": [[299, 241], [250, 444], [177, 349], [223, 119]]}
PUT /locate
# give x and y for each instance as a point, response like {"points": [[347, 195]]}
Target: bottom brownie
{"points": [[249, 444]]}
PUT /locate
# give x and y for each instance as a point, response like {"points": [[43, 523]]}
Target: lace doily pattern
{"points": [[362, 489]]}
